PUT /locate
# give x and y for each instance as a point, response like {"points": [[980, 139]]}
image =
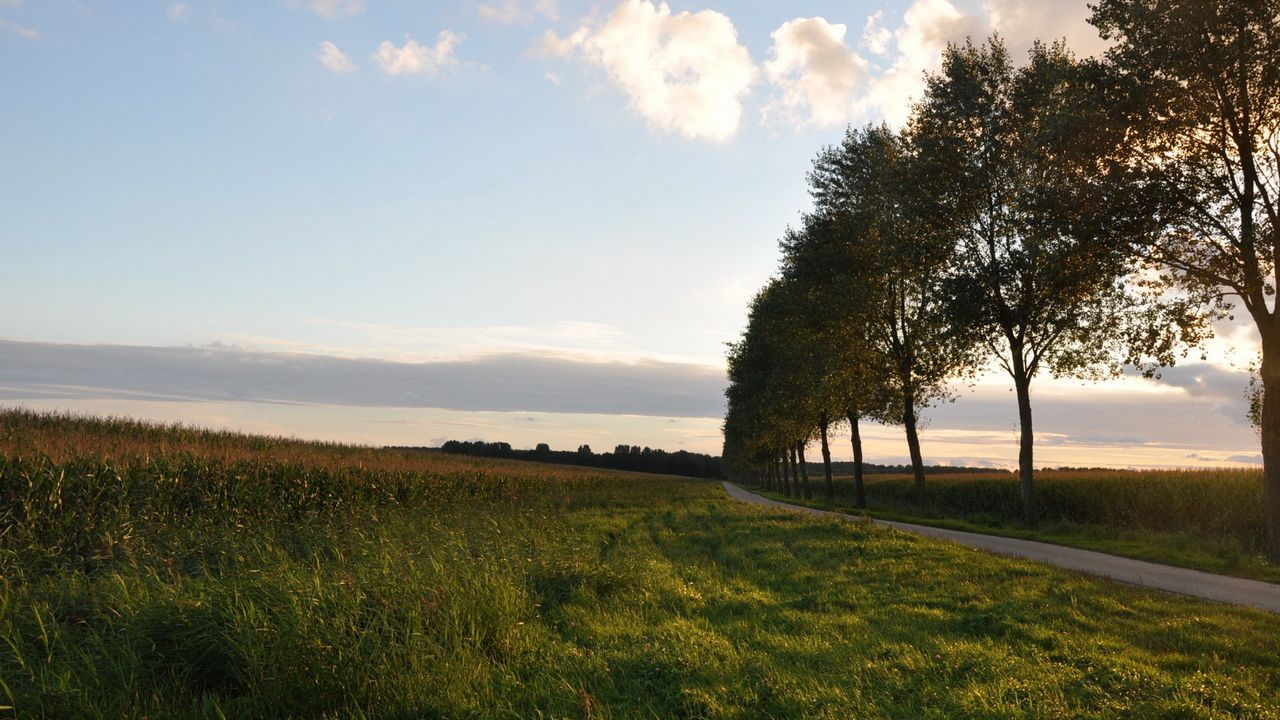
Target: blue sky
{"points": [[183, 182], [593, 182]]}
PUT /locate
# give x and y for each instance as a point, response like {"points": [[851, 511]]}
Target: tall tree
{"points": [[875, 181], [1205, 133], [770, 393], [827, 259], [1013, 158]]}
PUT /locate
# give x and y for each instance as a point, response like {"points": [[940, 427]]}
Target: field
{"points": [[159, 572], [1209, 520]]}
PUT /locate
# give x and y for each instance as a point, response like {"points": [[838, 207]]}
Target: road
{"points": [[1219, 588]]}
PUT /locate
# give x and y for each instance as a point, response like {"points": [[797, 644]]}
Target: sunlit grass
{"points": [[1205, 519], [214, 582]]}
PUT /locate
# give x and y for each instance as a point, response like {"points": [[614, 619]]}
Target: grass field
{"points": [[1209, 520], [151, 572]]}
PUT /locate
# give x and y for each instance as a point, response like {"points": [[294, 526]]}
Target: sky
{"points": [[398, 222]]}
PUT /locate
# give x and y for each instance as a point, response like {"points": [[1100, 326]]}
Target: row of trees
{"points": [[1064, 216], [623, 457]]}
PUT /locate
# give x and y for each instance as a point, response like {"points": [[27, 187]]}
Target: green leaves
{"points": [[1205, 159]]}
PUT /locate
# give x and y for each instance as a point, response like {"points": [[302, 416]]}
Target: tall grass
{"points": [[1218, 505], [124, 442], [147, 569], [139, 491], [153, 572]]}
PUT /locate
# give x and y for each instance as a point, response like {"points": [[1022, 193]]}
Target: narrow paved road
{"points": [[1237, 591]]}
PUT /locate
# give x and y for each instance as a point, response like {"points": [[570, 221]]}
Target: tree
{"points": [[876, 182], [765, 392], [827, 257], [1205, 141], [815, 358], [1013, 156]]}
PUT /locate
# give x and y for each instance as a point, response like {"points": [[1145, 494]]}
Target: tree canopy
{"points": [[1203, 149], [1055, 215]]}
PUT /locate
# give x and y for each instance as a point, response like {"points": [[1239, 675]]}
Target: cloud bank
{"points": [[507, 382], [1193, 416], [687, 73]]}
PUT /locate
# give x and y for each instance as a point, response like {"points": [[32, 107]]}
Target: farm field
{"points": [[167, 572], [1209, 520]]}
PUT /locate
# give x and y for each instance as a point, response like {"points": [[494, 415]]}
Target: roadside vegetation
{"points": [[1207, 520], [165, 572], [1046, 214]]}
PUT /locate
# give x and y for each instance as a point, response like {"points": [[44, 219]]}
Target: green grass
{"points": [[1209, 520], [1179, 549], [209, 585]]}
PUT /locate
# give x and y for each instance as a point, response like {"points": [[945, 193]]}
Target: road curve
{"points": [[1219, 588]]}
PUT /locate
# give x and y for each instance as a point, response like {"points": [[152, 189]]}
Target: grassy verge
{"points": [[1180, 549], [411, 590]]}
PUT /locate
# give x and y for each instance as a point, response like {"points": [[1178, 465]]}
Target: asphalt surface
{"points": [[1194, 583]]}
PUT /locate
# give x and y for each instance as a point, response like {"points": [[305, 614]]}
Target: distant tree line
{"points": [[623, 457], [1061, 216]]}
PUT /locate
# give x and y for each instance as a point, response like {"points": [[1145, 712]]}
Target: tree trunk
{"points": [[786, 475], [913, 445], [804, 470], [1026, 469], [855, 437], [830, 486], [1270, 432], [789, 456]]}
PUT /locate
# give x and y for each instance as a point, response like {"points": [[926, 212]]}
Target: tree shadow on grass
{"points": [[824, 612]]}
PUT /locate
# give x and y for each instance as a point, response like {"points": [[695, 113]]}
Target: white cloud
{"points": [[1020, 22], [507, 12], [334, 59], [822, 80], [416, 59], [177, 12], [914, 49], [552, 45], [336, 8], [684, 73], [875, 36], [819, 77], [20, 30], [552, 78]]}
